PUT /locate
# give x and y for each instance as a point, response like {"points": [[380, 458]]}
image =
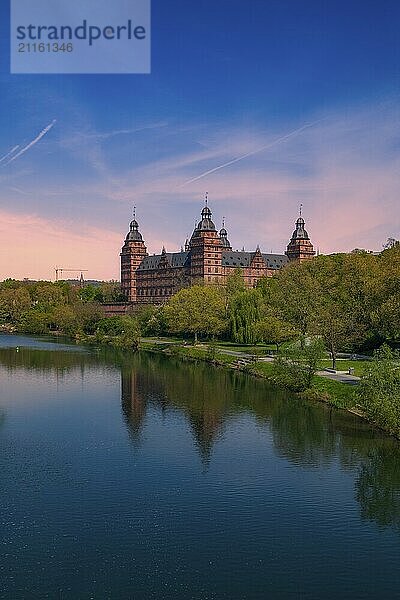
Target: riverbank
{"points": [[323, 389], [337, 393]]}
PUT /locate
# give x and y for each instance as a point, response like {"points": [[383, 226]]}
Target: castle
{"points": [[207, 258]]}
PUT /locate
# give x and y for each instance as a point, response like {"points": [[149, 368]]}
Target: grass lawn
{"points": [[344, 365], [338, 394], [248, 349]]}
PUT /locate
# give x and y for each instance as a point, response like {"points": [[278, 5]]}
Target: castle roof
{"points": [[175, 259], [243, 259], [229, 259]]}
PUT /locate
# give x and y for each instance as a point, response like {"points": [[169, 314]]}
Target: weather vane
{"points": [[206, 198], [134, 212], [301, 209]]}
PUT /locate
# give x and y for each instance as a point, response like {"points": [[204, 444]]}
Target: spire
{"points": [[134, 213], [206, 198], [301, 210]]}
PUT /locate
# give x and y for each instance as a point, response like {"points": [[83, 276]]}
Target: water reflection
{"points": [[307, 435], [378, 487]]}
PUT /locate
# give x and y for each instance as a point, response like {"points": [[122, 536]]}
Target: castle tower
{"points": [[206, 250], [223, 234], [132, 254], [300, 247]]}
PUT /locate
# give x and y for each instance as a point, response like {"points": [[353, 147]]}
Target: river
{"points": [[137, 477]]}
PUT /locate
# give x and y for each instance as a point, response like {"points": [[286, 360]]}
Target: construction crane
{"points": [[59, 271]]}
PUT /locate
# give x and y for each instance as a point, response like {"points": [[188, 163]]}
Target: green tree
{"points": [[13, 303], [295, 366], [199, 310], [235, 283], [64, 319], [273, 330], [379, 390], [293, 292], [244, 310]]}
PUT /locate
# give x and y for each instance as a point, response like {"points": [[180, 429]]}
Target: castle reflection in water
{"points": [[213, 401]]}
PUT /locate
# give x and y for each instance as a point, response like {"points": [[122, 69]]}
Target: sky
{"points": [[305, 94]]}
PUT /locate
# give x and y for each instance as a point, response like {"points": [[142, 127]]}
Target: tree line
{"points": [[349, 301]]}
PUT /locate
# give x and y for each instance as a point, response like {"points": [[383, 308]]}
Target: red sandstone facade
{"points": [[207, 258]]}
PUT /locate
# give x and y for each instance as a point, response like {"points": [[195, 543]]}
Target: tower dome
{"points": [[223, 234], [134, 234], [206, 223], [300, 232]]}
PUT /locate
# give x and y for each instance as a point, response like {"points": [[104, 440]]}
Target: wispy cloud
{"points": [[33, 142], [344, 168], [105, 135], [252, 153], [9, 153]]}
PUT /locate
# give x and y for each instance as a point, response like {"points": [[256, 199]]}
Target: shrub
{"points": [[379, 390]]}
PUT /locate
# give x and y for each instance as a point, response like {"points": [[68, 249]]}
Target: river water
{"points": [[136, 476]]}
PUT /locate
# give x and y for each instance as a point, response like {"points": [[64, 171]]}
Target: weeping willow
{"points": [[244, 312]]}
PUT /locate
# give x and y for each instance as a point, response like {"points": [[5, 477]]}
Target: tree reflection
{"points": [[303, 433], [378, 486]]}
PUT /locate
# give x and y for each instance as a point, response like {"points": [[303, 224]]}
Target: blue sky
{"points": [[228, 79]]}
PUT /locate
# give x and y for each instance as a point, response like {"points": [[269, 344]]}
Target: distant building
{"points": [[207, 258]]}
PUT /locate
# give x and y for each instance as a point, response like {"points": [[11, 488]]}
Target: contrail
{"points": [[267, 146], [9, 153], [33, 142]]}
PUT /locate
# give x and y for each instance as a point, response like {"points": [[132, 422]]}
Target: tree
{"points": [[386, 318], [91, 293], [336, 327], [88, 315], [295, 366], [235, 283], [151, 319], [293, 293], [199, 310], [379, 390], [46, 295], [13, 303], [272, 329], [244, 309], [64, 319]]}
